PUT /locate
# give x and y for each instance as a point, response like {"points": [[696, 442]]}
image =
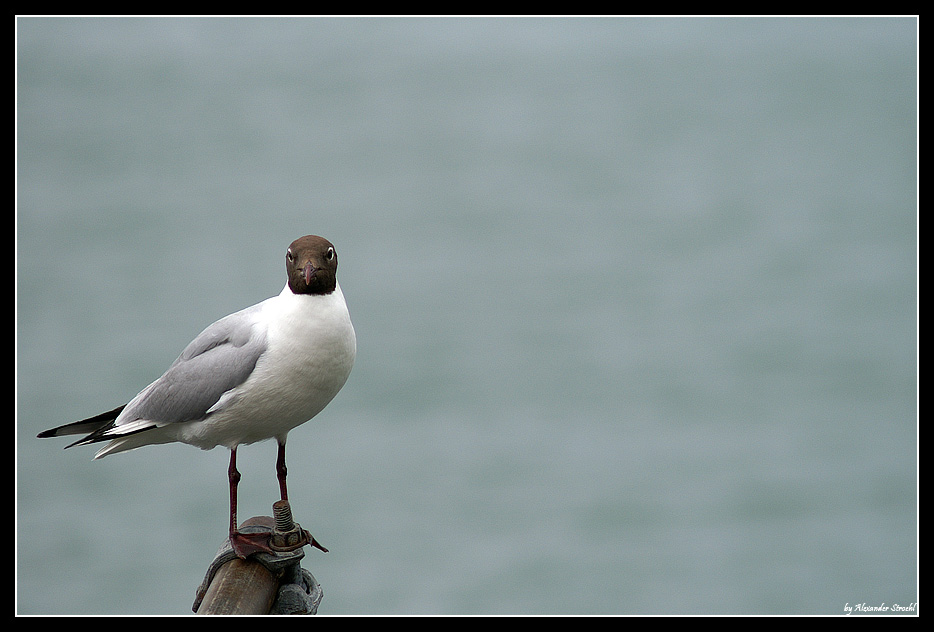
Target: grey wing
{"points": [[221, 358]]}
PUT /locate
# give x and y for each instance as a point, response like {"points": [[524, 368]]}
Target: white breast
{"points": [[311, 348]]}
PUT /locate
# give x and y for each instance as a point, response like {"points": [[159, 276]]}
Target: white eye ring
{"points": [[330, 254], [288, 255]]}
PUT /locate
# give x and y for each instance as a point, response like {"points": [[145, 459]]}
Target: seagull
{"points": [[253, 375]]}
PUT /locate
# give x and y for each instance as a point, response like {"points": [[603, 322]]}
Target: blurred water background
{"points": [[635, 300]]}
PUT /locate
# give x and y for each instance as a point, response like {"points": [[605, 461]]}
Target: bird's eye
{"points": [[288, 255], [329, 254]]}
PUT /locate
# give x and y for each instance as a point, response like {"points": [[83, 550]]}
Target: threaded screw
{"points": [[282, 512]]}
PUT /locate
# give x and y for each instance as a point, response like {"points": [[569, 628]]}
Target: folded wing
{"points": [[218, 360]]}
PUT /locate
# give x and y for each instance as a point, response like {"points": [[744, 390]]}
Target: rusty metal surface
{"points": [[264, 583]]}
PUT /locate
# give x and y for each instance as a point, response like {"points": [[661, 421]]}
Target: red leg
{"points": [[233, 477], [281, 472], [243, 544]]}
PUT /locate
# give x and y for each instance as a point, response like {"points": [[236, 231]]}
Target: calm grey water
{"points": [[636, 306]]}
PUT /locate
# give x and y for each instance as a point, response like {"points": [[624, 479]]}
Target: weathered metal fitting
{"points": [[289, 540], [288, 535]]}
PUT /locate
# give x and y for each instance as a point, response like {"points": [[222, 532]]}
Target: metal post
{"points": [[264, 583], [240, 587]]}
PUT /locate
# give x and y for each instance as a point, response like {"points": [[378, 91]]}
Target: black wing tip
{"points": [[91, 425], [81, 441], [52, 432]]}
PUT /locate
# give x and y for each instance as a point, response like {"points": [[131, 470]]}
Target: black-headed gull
{"points": [[250, 376]]}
